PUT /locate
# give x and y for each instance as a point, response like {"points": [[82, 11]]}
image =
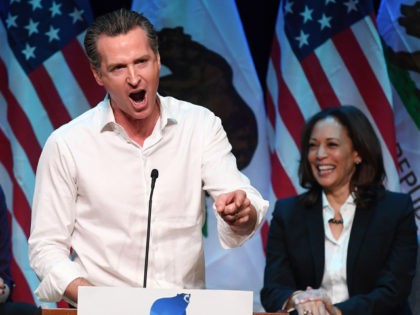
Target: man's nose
{"points": [[133, 78]]}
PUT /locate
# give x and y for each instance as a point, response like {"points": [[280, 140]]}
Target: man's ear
{"points": [[96, 75]]}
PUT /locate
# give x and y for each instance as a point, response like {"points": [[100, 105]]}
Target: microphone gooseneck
{"points": [[154, 175]]}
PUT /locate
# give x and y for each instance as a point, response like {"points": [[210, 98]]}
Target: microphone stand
{"points": [[154, 175]]}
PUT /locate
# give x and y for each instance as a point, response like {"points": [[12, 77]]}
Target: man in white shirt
{"points": [[93, 182]]}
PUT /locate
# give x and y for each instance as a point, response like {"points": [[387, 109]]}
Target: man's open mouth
{"points": [[138, 96]]}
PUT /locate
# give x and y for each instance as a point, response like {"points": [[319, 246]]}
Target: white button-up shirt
{"points": [[334, 280], [92, 194]]}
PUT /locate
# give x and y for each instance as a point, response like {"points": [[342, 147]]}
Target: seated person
{"points": [[347, 245]]}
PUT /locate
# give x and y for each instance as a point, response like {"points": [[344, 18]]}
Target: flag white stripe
{"points": [[80, 38], [67, 86], [296, 81], [289, 158], [281, 136]]}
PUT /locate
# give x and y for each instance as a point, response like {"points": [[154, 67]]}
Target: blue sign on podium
{"points": [[139, 301]]}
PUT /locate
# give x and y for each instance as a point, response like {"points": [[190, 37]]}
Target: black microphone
{"points": [[154, 175]]}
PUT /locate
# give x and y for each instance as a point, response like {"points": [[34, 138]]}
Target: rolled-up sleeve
{"points": [[53, 215], [221, 175]]}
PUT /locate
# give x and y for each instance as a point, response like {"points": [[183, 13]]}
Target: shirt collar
{"points": [[325, 202], [168, 115], [107, 119], [329, 211]]}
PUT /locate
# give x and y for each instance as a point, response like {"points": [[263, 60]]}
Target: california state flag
{"points": [[398, 23], [206, 60]]}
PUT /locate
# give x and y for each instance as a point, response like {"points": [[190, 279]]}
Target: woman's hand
{"points": [[314, 302], [311, 308]]}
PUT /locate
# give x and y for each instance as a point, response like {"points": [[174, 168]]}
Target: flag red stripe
{"points": [[6, 153], [264, 234], [21, 208], [20, 202], [79, 66], [281, 184], [18, 121], [22, 291], [321, 87], [368, 86], [287, 106], [290, 112], [49, 97]]}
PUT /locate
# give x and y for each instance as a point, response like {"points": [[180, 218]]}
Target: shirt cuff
{"points": [[229, 238], [52, 287]]}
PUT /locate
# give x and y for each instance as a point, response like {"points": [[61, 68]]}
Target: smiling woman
{"points": [[347, 245], [332, 157], [350, 152]]}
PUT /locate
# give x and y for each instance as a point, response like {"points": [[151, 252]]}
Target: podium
{"points": [[70, 311], [95, 300]]}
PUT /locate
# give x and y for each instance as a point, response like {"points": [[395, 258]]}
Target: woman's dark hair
{"points": [[116, 23], [368, 178]]}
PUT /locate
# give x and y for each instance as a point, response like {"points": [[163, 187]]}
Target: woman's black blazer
{"points": [[381, 258]]}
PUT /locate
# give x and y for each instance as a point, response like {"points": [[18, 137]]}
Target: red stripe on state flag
{"points": [[280, 181], [18, 121], [319, 82], [51, 100], [368, 86], [80, 67]]}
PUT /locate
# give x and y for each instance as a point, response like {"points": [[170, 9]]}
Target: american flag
{"points": [[44, 82], [324, 53]]}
